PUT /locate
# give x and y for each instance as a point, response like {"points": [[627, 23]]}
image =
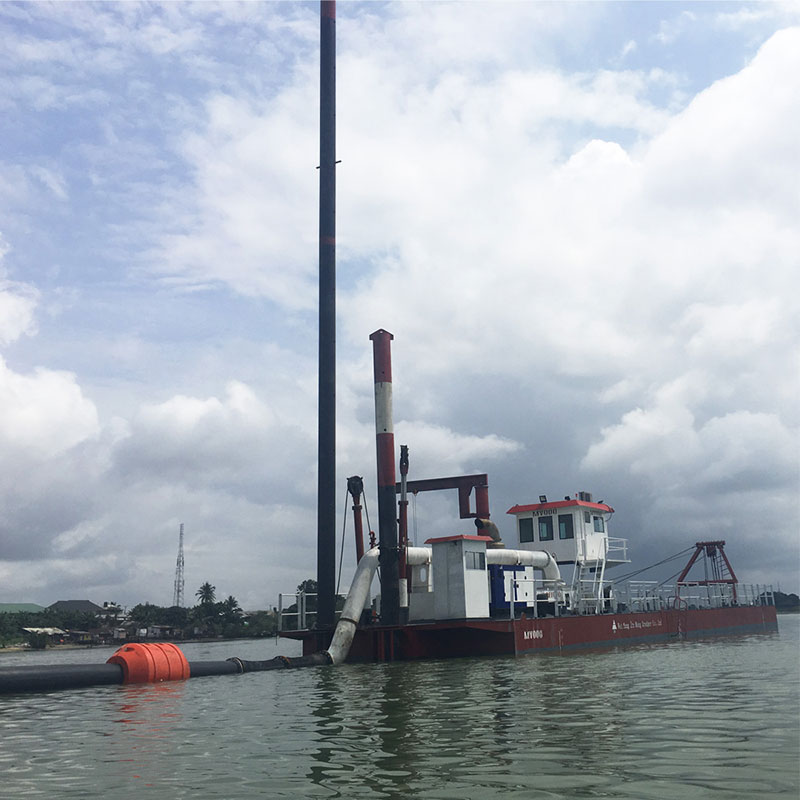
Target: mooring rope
{"points": [[657, 564]]}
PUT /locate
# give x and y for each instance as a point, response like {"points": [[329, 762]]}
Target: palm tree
{"points": [[230, 609], [206, 593]]}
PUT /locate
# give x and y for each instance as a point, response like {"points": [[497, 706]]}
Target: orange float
{"points": [[152, 662]]}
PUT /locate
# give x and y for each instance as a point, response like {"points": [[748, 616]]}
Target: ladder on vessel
{"points": [[587, 586]]}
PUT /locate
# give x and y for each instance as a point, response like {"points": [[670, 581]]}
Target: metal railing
{"points": [[299, 610], [644, 596], [589, 549], [654, 596], [300, 613], [616, 549], [550, 588]]}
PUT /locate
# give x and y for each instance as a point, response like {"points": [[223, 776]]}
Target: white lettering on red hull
{"points": [[636, 625]]}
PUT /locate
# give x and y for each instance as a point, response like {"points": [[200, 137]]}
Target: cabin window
{"points": [[565, 529], [545, 529], [587, 517], [475, 560], [598, 524], [526, 530]]}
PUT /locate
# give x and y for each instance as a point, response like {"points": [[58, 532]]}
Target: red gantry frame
{"points": [[465, 484], [721, 569]]}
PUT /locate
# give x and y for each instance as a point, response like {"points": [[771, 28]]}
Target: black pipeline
{"points": [[139, 663]]}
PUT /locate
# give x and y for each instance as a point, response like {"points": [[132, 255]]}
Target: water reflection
{"points": [[142, 733], [716, 721], [467, 723], [327, 713], [552, 726], [154, 706]]}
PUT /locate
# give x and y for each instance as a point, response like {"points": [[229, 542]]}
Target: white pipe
{"points": [[357, 596], [418, 556], [353, 606], [539, 559]]}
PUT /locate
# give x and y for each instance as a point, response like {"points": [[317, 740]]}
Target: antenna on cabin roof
{"points": [[177, 596]]}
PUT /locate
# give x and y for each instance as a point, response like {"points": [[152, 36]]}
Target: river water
{"points": [[713, 719]]}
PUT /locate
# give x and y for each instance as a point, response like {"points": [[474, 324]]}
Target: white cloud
{"points": [[736, 141], [746, 450], [220, 443], [251, 223], [665, 442], [438, 450], [43, 413], [584, 283], [748, 17], [52, 180], [659, 438], [670, 30], [733, 331], [629, 47], [17, 306]]}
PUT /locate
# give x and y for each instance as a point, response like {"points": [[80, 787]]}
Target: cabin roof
{"points": [[521, 509]]}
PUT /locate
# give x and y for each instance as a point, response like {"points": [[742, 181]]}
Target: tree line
{"points": [[208, 618]]}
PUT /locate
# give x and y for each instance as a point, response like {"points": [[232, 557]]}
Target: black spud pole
{"points": [[326, 486]]}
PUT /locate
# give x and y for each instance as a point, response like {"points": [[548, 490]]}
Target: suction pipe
{"points": [[358, 595], [353, 606]]}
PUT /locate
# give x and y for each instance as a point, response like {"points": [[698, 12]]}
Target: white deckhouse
{"points": [[575, 531]]}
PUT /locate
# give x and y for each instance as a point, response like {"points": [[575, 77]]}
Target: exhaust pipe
{"points": [[387, 494]]}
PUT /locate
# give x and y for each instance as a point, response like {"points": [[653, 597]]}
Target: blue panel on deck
{"points": [[497, 591]]}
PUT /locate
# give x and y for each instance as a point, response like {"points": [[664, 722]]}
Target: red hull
{"points": [[460, 638]]}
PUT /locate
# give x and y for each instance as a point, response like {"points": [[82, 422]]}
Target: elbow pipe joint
{"points": [[488, 528]]}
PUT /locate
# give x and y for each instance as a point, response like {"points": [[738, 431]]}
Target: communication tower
{"points": [[177, 597]]}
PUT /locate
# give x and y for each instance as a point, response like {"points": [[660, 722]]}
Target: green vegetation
{"points": [[207, 619], [144, 621], [37, 641], [11, 625], [206, 593]]}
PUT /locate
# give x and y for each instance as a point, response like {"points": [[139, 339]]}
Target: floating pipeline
{"points": [[139, 663], [154, 662]]}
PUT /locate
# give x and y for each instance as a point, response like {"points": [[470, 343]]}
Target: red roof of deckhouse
{"points": [[459, 537], [558, 504]]}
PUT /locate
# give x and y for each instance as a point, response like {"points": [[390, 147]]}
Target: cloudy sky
{"points": [[579, 221]]}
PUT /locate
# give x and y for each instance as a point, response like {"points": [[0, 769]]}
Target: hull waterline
{"points": [[528, 636]]}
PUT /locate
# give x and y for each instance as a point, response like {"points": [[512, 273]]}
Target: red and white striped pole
{"points": [[387, 492]]}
